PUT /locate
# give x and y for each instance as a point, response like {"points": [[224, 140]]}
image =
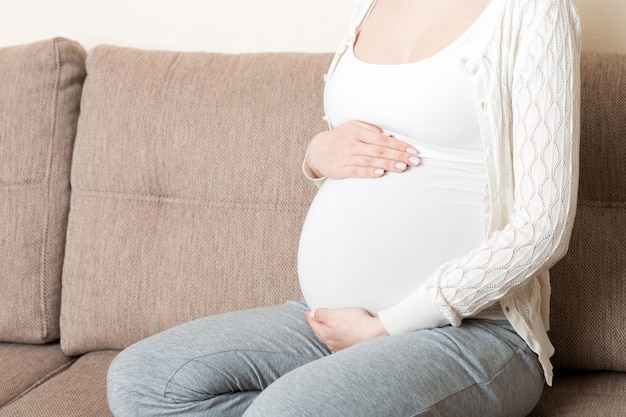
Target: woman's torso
{"points": [[371, 242]]}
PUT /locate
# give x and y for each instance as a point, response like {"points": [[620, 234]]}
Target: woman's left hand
{"points": [[343, 327]]}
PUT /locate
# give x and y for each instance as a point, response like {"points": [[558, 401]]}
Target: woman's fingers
{"points": [[367, 167], [372, 167], [383, 146], [370, 155], [357, 149], [366, 126], [391, 156], [343, 327]]}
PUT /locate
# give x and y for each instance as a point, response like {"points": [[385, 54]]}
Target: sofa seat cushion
{"points": [[589, 394], [40, 89], [187, 191], [79, 391], [24, 367]]}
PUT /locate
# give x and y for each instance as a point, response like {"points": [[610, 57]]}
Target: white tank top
{"points": [[371, 242]]}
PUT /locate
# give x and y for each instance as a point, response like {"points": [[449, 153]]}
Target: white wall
{"points": [[210, 25], [232, 25]]}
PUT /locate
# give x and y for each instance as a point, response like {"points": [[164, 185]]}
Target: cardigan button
{"points": [[483, 105], [349, 39]]}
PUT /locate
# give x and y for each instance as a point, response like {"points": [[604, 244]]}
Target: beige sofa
{"points": [[166, 186]]}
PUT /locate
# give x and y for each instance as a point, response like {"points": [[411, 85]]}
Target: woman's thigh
{"points": [[481, 369], [214, 366]]}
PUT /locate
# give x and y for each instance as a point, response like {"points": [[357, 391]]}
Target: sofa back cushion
{"points": [[589, 284], [187, 192], [40, 88]]}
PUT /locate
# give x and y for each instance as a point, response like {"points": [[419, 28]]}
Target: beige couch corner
{"points": [[187, 200], [40, 88]]}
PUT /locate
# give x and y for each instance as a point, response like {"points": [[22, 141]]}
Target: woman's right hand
{"points": [[357, 149]]}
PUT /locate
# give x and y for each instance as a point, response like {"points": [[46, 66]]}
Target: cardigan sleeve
{"points": [[544, 90], [308, 173]]}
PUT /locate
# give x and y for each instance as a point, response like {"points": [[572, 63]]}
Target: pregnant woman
{"points": [[447, 188]]}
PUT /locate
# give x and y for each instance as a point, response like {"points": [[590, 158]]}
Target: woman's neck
{"points": [[403, 31]]}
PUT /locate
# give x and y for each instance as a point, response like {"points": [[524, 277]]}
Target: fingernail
{"points": [[411, 151], [312, 314], [414, 160], [379, 171], [401, 166]]}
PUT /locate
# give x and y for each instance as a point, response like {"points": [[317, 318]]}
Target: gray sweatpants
{"points": [[268, 363]]}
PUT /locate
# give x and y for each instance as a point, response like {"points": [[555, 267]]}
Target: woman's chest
{"points": [[402, 31]]}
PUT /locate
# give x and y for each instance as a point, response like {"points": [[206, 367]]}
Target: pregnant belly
{"points": [[371, 242]]}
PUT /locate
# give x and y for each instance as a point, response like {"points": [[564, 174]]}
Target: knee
{"points": [[132, 388], [118, 381], [143, 381], [123, 385]]}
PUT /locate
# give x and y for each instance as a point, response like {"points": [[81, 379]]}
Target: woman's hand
{"points": [[343, 327], [357, 149]]}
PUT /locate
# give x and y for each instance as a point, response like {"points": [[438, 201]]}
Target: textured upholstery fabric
{"points": [[39, 104], [589, 284], [80, 391], [584, 395], [187, 196], [23, 367], [188, 201]]}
